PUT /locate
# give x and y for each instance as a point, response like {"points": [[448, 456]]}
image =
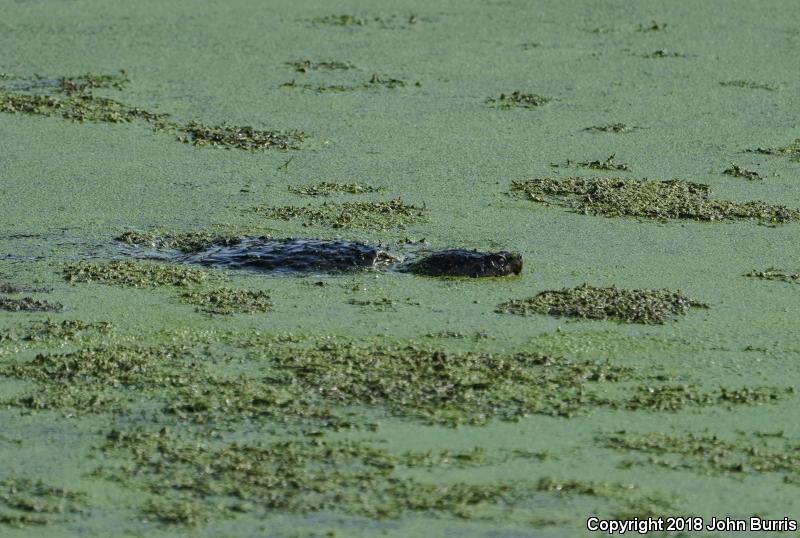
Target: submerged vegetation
{"points": [[589, 302], [519, 99], [663, 200], [135, 273], [372, 215]]}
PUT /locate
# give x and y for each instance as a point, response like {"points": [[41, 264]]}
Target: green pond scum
{"points": [[648, 199], [219, 222]]}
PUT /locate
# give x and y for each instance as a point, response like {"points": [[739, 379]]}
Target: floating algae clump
{"points": [[384, 22], [737, 171], [676, 398], [756, 453], [72, 99], [448, 388], [610, 128], [187, 242], [114, 378], [663, 200], [663, 53], [376, 81], [750, 84], [134, 273], [519, 99], [303, 66], [608, 164], [791, 150], [589, 302], [25, 502], [28, 304], [230, 136], [633, 502], [77, 107], [229, 300], [294, 476], [374, 215], [68, 329], [776, 274], [326, 188]]}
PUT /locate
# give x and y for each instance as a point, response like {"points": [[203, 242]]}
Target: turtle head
{"points": [[511, 261]]}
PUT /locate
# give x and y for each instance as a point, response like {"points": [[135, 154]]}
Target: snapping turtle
{"points": [[292, 255], [459, 262]]}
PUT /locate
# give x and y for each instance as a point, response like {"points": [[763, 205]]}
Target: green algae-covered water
{"points": [[624, 146]]}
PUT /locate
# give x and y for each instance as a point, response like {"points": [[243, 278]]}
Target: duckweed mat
{"points": [[149, 386]]}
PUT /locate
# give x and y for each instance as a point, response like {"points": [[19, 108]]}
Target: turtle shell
{"points": [[292, 255]]}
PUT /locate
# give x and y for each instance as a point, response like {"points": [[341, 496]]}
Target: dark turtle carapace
{"points": [[293, 255], [459, 262]]}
